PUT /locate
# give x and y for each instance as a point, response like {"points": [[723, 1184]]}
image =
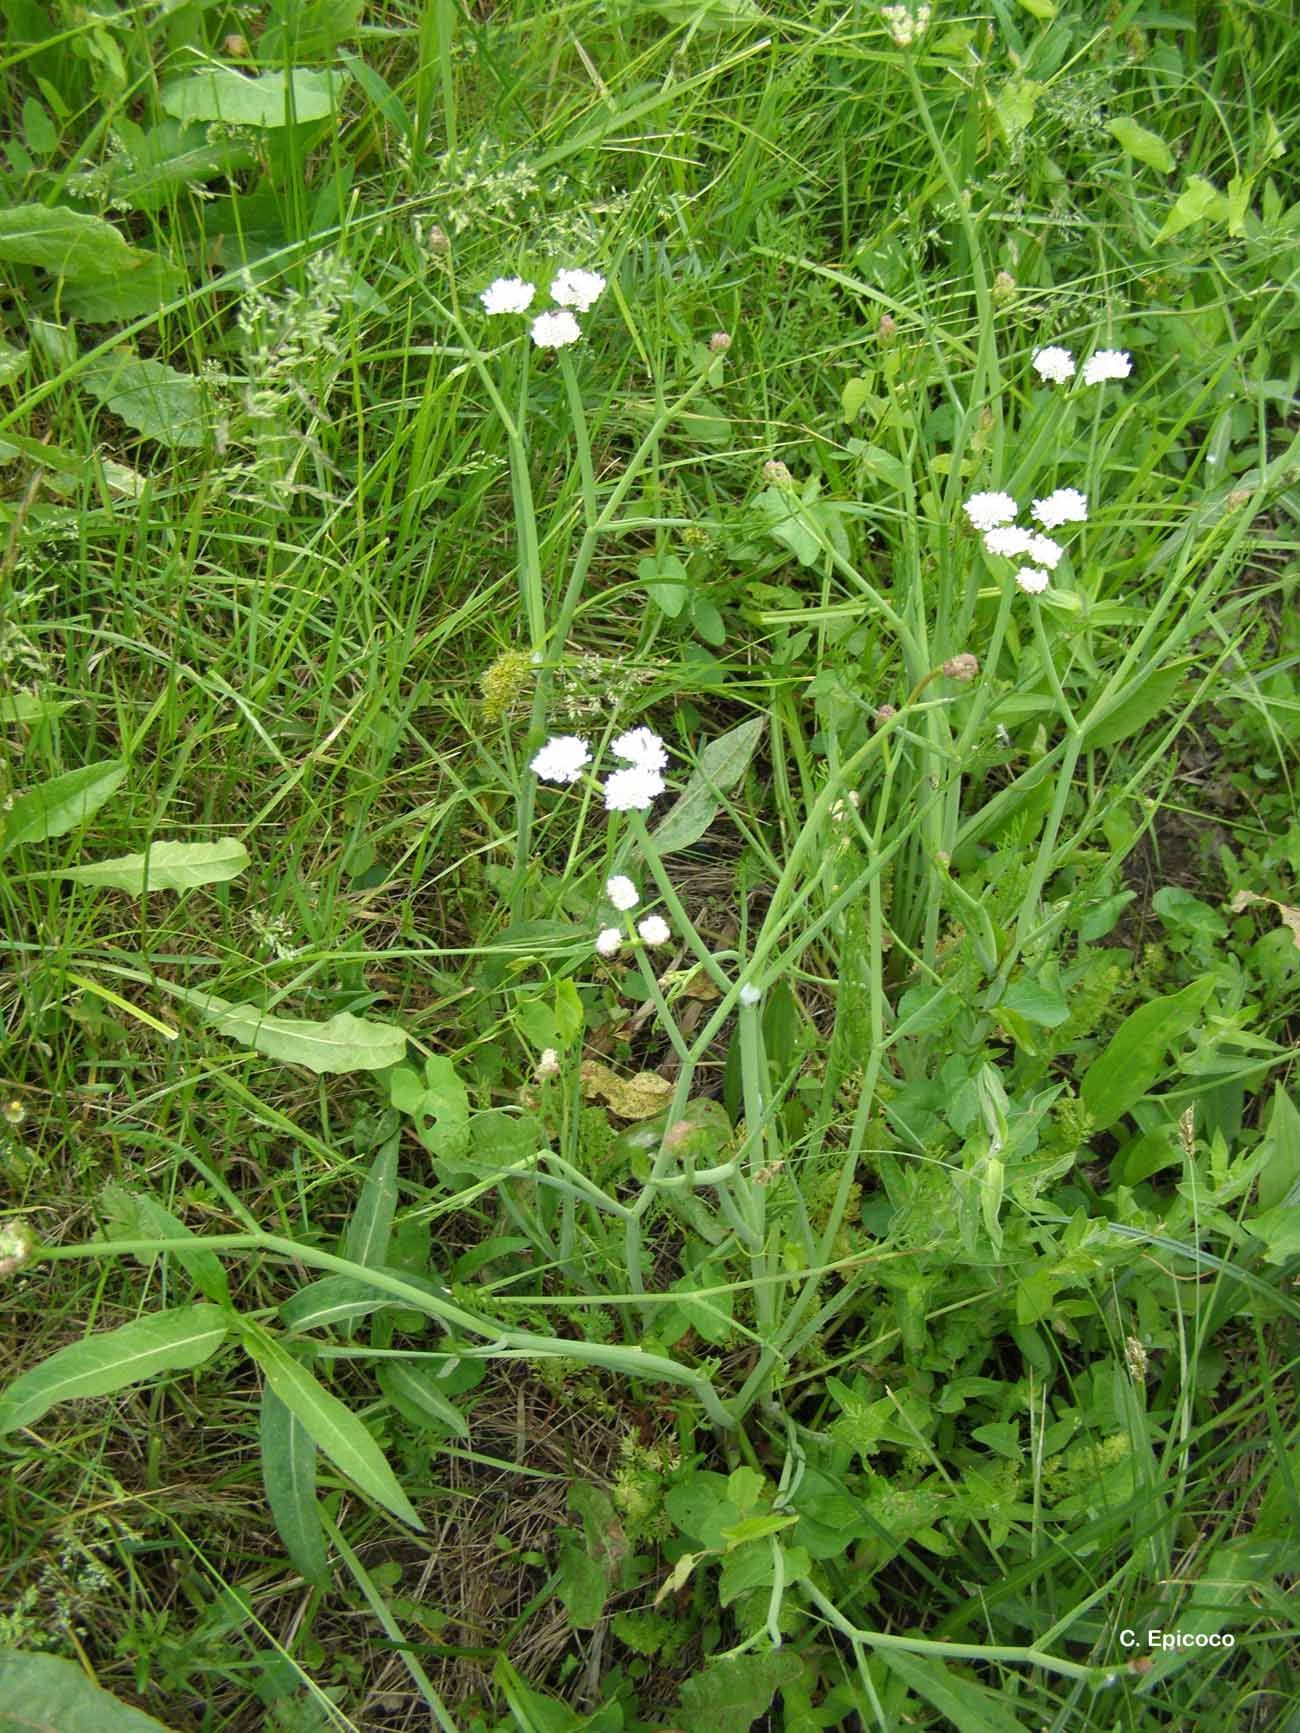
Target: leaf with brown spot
{"points": [[639, 1097], [1290, 916]]}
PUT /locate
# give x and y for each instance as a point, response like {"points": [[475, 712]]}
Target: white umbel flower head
{"points": [[1031, 579], [608, 940], [1066, 506], [1054, 364], [556, 330], [562, 759], [1043, 551], [987, 510], [654, 929], [750, 994], [642, 747], [1107, 364], [548, 1065], [622, 892], [632, 790], [508, 295], [1008, 540], [577, 289]]}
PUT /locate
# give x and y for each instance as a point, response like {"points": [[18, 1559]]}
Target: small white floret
{"points": [[1107, 364], [1043, 551], [577, 289], [608, 940], [622, 892], [987, 510], [562, 759], [750, 994], [556, 330], [642, 747], [1066, 506], [1054, 364], [508, 295], [632, 790], [1031, 579], [1008, 540], [654, 929]]}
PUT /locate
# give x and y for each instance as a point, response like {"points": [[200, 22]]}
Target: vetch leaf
{"points": [[1136, 141], [50, 1694], [333, 1426], [156, 400], [722, 764], [220, 93], [65, 243], [1134, 1058], [60, 805], [168, 866], [171, 1341], [341, 1043], [289, 1478]]}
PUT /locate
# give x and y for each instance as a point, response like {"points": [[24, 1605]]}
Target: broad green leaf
{"points": [[707, 15], [289, 1477], [333, 1426], [965, 1706], [137, 1216], [23, 707], [65, 243], [318, 26], [341, 1043], [1148, 700], [854, 394], [1179, 908], [168, 866], [371, 1226], [729, 1696], [404, 1384], [105, 300], [1197, 201], [666, 582], [155, 399], [1014, 106], [1135, 1056], [13, 363], [172, 1341], [580, 1583], [439, 1105], [1044, 9], [1281, 1171], [1036, 1001], [49, 1694], [39, 131], [722, 764], [60, 805], [220, 93], [1147, 147]]}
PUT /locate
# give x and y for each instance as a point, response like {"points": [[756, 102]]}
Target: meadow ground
{"points": [[648, 723]]}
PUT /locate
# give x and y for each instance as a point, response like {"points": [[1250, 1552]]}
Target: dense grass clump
{"points": [[648, 719]]}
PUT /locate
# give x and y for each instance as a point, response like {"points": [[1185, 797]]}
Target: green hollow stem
{"points": [[632, 1361]]}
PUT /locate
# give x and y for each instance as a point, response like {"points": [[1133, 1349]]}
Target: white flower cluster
{"points": [[570, 289], [994, 513], [654, 929], [632, 789], [905, 25], [1056, 365]]}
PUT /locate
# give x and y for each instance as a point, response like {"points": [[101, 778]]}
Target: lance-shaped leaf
{"points": [[50, 1694], [172, 1341], [722, 764], [289, 1477], [61, 804], [332, 1426], [340, 1043], [168, 866]]}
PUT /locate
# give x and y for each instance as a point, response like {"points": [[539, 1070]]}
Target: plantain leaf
{"points": [[268, 100], [333, 1426], [153, 398], [341, 1043], [60, 805], [65, 243], [172, 1341], [722, 764], [1135, 1056], [168, 866], [50, 1694], [289, 1477]]}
